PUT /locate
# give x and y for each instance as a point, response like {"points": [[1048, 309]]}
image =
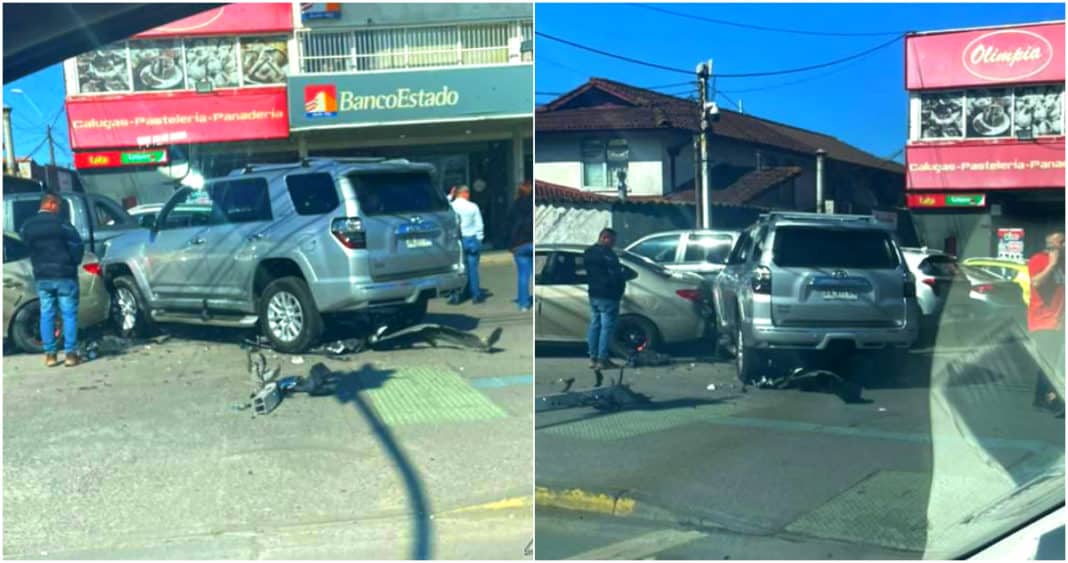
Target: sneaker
{"points": [[608, 364], [51, 361], [479, 300], [594, 364], [71, 360]]}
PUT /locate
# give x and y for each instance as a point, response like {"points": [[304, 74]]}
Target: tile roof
{"points": [[754, 184], [547, 192], [602, 104]]}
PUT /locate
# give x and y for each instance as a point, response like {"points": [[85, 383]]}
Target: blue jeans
{"points": [[66, 293], [524, 266], [472, 252], [603, 315]]}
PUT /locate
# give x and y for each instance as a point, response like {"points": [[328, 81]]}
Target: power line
{"points": [[793, 82], [815, 66], [549, 93], [38, 147], [613, 55], [734, 75], [728, 98], [767, 28]]}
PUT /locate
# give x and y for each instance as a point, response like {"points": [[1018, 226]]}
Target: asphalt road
{"points": [[685, 463], [417, 452]]}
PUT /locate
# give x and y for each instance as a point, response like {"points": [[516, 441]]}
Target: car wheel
{"points": [[289, 317], [26, 329], [633, 334], [130, 313], [746, 359]]}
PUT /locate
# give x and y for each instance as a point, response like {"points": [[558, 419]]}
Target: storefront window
{"points": [[1039, 110], [264, 61], [1025, 112], [104, 70], [989, 113], [941, 115], [213, 60], [157, 65]]}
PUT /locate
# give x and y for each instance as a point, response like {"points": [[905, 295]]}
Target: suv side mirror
{"points": [[148, 222]]}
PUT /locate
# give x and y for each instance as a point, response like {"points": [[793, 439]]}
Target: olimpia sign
{"points": [[330, 100]]}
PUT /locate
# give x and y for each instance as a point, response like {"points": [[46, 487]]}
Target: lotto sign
{"points": [[1011, 244]]}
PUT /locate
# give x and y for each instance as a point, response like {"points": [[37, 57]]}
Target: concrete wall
{"points": [[357, 15], [570, 224]]}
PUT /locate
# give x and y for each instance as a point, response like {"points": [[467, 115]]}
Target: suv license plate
{"points": [[839, 295], [416, 242]]}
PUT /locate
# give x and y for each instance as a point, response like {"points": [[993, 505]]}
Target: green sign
{"points": [[410, 96], [144, 157], [966, 200]]}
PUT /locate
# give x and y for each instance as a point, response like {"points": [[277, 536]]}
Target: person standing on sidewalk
{"points": [[56, 251], [1045, 318], [471, 231], [522, 244], [606, 284]]}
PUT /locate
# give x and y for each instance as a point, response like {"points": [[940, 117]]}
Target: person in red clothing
{"points": [[1045, 317]]}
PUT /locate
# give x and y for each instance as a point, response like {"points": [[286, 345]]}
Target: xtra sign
{"points": [[985, 166], [163, 119], [383, 98], [1015, 55]]}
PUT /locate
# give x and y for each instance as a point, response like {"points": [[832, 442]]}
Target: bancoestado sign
{"points": [[410, 96]]}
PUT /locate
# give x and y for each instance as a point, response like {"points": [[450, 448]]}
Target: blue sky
{"points": [[862, 102], [45, 88]]}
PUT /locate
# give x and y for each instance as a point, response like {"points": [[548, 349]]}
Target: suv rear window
{"points": [[312, 194], [23, 209], [391, 193], [816, 247]]}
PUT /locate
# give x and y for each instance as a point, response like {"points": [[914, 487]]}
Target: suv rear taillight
{"points": [[349, 232], [689, 294], [92, 267], [983, 288], [761, 281]]}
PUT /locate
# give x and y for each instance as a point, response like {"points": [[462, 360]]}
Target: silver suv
{"points": [[810, 282], [284, 245]]}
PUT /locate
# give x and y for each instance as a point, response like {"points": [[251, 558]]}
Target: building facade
{"points": [[448, 84], [985, 154], [586, 137]]}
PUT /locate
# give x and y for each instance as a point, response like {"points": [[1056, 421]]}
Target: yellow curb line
{"points": [[577, 499], [503, 504]]}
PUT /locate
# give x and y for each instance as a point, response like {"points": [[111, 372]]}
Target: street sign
{"points": [[942, 200], [114, 159]]}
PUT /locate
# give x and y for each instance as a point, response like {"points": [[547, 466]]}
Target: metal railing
{"points": [[412, 47]]}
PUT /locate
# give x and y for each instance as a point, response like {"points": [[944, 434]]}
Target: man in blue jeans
{"points": [[606, 284], [522, 244], [471, 232], [56, 251]]}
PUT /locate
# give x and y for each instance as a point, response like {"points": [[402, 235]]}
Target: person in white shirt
{"points": [[471, 231]]}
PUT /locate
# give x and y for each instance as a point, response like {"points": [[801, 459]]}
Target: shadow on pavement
{"points": [[345, 387]]}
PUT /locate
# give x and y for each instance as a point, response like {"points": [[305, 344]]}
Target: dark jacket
{"points": [[522, 221], [56, 248], [604, 273]]}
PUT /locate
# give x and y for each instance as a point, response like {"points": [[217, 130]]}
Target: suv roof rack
{"points": [[802, 216], [310, 161]]}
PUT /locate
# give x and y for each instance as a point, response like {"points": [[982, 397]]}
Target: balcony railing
{"points": [[412, 47]]}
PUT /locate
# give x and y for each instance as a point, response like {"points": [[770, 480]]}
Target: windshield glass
{"points": [[816, 247], [397, 192]]}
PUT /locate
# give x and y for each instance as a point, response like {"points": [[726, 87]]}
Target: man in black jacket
{"points": [[56, 252], [605, 289]]}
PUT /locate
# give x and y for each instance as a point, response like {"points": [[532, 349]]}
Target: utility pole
{"points": [[9, 143], [704, 199], [820, 153], [53, 174]]}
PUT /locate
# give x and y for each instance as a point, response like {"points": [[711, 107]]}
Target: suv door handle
{"points": [[197, 241], [257, 236]]}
